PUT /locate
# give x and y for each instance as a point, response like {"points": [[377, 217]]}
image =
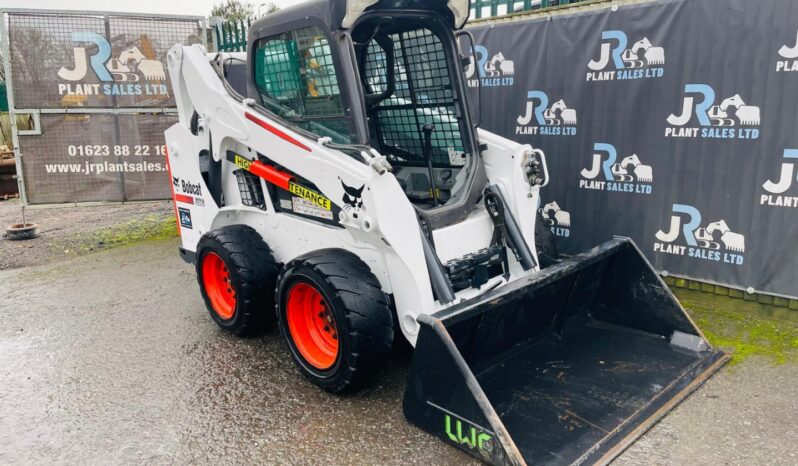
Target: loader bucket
{"points": [[567, 366]]}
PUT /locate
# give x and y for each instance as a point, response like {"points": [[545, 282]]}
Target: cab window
{"points": [[296, 79]]}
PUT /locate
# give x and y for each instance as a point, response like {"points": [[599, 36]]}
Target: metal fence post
{"points": [[12, 116], [204, 28]]}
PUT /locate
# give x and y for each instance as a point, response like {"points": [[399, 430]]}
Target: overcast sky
{"points": [[172, 7]]}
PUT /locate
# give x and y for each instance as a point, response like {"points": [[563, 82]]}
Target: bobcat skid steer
{"points": [[332, 180]]}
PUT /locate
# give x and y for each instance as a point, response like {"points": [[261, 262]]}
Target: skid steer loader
{"points": [[331, 179]]}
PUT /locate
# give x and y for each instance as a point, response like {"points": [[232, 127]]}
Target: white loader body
{"points": [[386, 233]]}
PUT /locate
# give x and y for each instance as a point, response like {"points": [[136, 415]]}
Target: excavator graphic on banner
{"points": [[133, 63], [639, 171], [499, 66], [731, 108], [731, 241], [560, 114], [650, 56]]}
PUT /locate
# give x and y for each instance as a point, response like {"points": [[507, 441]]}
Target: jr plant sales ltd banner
{"points": [[671, 122], [77, 65], [97, 157]]}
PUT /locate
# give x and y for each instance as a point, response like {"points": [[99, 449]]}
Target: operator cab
{"points": [[413, 109], [382, 74]]}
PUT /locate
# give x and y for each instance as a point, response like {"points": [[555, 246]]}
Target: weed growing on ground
{"points": [[746, 332], [150, 227]]}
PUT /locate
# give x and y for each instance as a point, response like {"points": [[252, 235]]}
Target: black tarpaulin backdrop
{"points": [[709, 192]]}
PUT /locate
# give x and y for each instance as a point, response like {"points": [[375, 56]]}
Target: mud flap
{"points": [[567, 366]]}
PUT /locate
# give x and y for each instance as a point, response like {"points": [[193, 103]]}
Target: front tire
{"points": [[236, 273], [335, 318]]}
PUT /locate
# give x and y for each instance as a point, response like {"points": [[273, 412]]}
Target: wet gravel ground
{"points": [[110, 358], [68, 230]]}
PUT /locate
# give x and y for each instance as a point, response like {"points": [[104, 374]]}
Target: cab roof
{"points": [[333, 13]]}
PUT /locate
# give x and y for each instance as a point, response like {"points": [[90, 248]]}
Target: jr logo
{"points": [[790, 56], [715, 121], [629, 175], [540, 118], [473, 438], [641, 60], [97, 60], [129, 67], [787, 179], [496, 71], [701, 242]]}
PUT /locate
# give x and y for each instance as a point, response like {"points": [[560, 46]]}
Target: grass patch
{"points": [[744, 329], [149, 227]]}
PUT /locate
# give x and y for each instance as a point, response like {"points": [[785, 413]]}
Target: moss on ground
{"points": [[149, 227], [745, 329]]}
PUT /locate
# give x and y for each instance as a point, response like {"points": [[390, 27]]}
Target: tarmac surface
{"points": [[111, 358]]}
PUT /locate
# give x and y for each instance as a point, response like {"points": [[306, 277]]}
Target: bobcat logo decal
{"points": [[353, 199]]}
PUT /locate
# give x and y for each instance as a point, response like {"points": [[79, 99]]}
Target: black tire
{"points": [[252, 273], [548, 254], [19, 231], [361, 315]]}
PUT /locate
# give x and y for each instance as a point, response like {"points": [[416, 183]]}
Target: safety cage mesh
{"points": [[423, 93], [251, 190]]}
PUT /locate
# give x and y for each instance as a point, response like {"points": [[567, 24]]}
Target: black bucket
{"points": [[567, 366]]}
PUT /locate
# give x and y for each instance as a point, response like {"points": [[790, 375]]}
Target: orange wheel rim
{"points": [[312, 326], [218, 286]]}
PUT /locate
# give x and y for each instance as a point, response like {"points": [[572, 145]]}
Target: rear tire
{"points": [[335, 318], [236, 273]]}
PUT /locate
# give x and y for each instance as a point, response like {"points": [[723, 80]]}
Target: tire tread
{"points": [[366, 309], [255, 268]]}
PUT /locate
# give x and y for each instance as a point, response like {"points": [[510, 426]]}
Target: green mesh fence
{"points": [[490, 8], [3, 97], [232, 36]]}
